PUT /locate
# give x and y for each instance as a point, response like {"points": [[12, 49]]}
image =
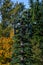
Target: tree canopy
{"points": [[21, 33]]}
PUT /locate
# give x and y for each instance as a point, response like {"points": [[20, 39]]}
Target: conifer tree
{"points": [[5, 8], [9, 12], [37, 30], [22, 44]]}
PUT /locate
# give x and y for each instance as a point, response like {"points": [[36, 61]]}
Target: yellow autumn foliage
{"points": [[6, 47]]}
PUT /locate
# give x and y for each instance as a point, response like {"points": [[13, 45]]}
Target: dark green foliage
{"points": [[5, 8], [22, 45], [31, 35], [38, 35], [5, 17], [28, 31]]}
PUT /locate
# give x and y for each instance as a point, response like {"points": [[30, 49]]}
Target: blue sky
{"points": [[23, 1], [26, 2]]}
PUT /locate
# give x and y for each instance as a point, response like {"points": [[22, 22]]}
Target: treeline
{"points": [[27, 23]]}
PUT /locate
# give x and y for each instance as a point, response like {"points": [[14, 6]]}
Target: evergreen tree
{"points": [[9, 15], [27, 38], [37, 30], [28, 31], [22, 44], [6, 7]]}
